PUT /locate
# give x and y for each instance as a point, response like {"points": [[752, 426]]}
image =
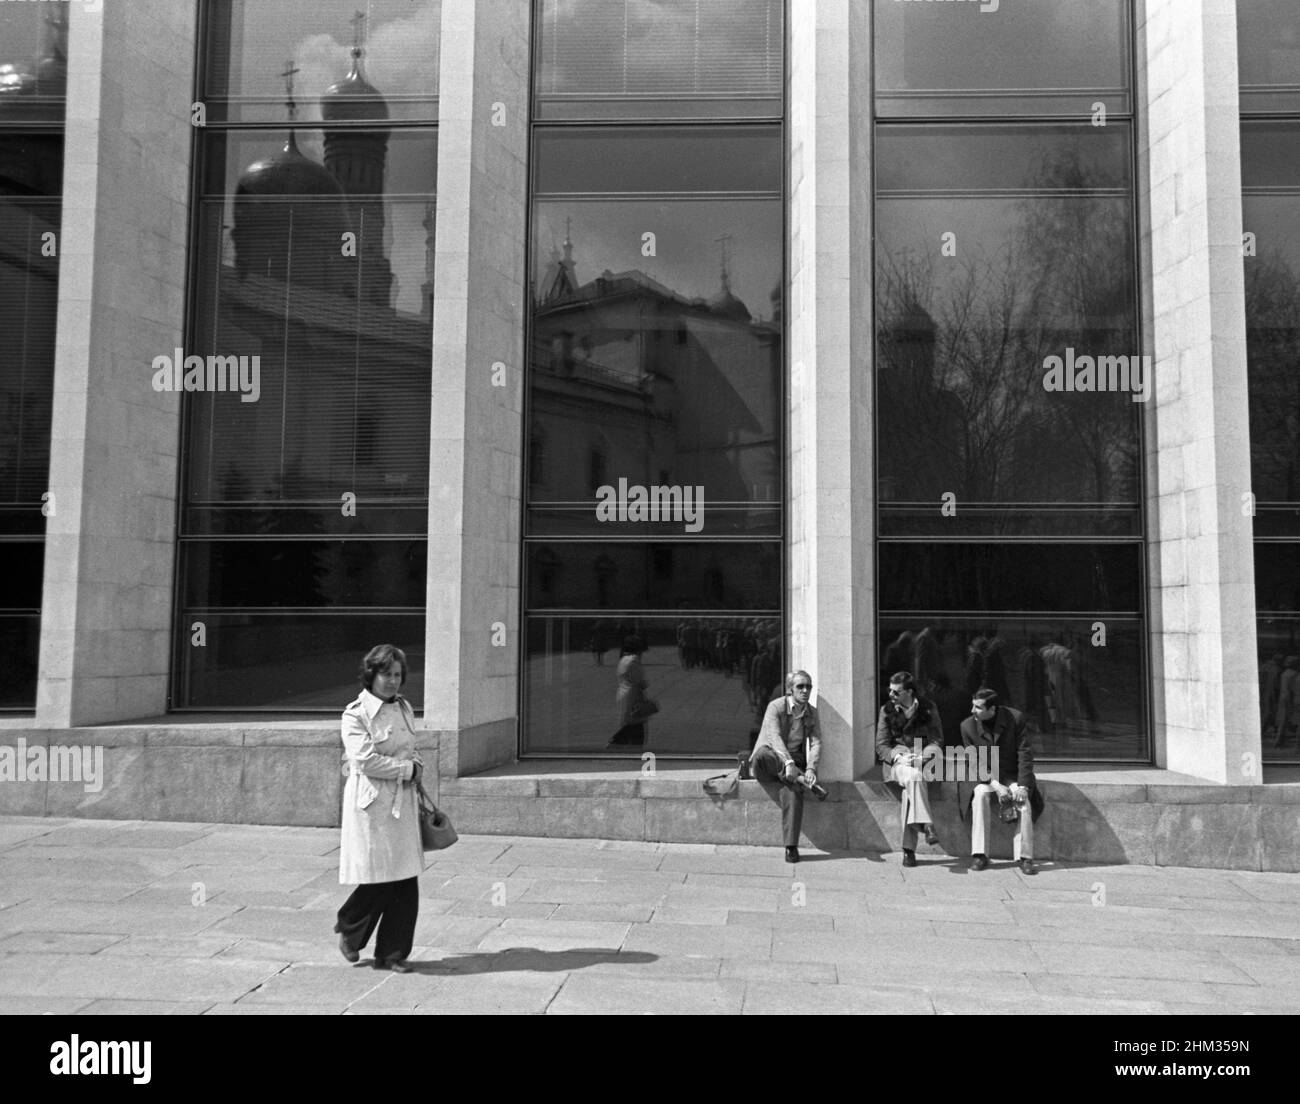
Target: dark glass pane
{"points": [[674, 59], [341, 338], [1082, 700], [22, 567], [33, 62], [1085, 579], [1009, 369], [29, 282], [31, 164], [711, 677], [20, 642], [581, 161], [1279, 671], [1270, 172], [681, 576], [663, 372], [1001, 57], [246, 574], [1268, 54], [289, 662], [247, 45]]}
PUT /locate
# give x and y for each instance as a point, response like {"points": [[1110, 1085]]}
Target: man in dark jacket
{"points": [[1004, 732]]}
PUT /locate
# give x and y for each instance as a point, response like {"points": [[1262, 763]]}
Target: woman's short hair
{"points": [[904, 679], [378, 659], [987, 695]]}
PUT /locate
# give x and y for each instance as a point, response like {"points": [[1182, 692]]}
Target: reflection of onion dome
{"points": [[290, 210], [728, 306], [353, 99], [287, 173]]}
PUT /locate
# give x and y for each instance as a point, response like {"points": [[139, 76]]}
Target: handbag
{"points": [[1008, 810], [646, 707], [436, 831], [722, 785]]}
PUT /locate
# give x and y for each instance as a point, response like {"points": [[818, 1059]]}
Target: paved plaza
{"points": [[132, 916]]}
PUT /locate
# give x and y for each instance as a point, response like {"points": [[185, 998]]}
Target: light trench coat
{"points": [[381, 828]]}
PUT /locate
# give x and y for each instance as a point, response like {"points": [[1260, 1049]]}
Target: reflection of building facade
{"points": [[472, 387]]}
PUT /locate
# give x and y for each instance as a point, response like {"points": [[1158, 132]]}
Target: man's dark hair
{"points": [[987, 696], [906, 679]]}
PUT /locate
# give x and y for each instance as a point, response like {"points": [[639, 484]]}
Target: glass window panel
{"points": [[291, 662], [33, 62], [29, 281], [248, 43], [711, 677], [253, 573], [661, 371], [679, 576], [1081, 701], [1279, 672], [952, 58], [967, 324], [1085, 579], [20, 644], [1268, 54], [672, 59], [589, 161]]}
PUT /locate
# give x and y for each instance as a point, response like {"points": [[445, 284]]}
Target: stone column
{"points": [[110, 541], [831, 558], [1202, 596], [480, 289]]}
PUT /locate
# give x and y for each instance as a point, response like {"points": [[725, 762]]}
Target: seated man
{"points": [[1005, 733], [785, 756], [908, 724]]}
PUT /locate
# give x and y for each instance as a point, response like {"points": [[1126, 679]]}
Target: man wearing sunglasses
{"points": [[784, 760]]}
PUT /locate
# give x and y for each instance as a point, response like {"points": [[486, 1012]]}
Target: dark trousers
{"points": [[767, 771], [394, 906]]}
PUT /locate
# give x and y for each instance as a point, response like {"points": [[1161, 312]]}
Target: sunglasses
{"points": [[803, 685]]}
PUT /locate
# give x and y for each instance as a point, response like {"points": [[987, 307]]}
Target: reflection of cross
{"points": [[358, 22], [289, 70]]}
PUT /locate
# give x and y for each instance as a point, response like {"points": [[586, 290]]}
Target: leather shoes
{"points": [[930, 837], [819, 791], [397, 965], [792, 854], [347, 952], [1027, 866], [979, 862], [909, 857]]}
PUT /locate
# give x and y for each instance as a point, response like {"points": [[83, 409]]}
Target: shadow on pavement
{"points": [[529, 959]]}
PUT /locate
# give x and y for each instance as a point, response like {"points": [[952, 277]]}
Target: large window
{"points": [[1009, 384], [654, 481], [1268, 45], [33, 77], [305, 489]]}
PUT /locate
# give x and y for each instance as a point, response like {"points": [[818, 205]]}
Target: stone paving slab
{"points": [[103, 918]]}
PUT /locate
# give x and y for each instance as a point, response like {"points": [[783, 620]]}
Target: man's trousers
{"points": [[1022, 846], [767, 771]]}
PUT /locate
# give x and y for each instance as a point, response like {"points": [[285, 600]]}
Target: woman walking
{"points": [[634, 708], [380, 852]]}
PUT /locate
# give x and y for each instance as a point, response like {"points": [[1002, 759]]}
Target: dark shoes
{"points": [[979, 862], [347, 952], [1027, 866], [819, 791], [397, 965], [792, 854], [909, 857], [930, 837]]}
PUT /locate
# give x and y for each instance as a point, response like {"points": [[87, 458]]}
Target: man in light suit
{"points": [[784, 760], [1005, 733]]}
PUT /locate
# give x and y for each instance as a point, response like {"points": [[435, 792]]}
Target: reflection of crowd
{"points": [[732, 647], [1055, 685], [1279, 697]]}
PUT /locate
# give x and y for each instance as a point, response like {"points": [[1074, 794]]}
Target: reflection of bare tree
{"points": [[1273, 351], [962, 405]]}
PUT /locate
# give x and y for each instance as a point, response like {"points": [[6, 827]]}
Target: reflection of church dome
{"points": [[287, 173], [727, 305], [353, 99]]}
